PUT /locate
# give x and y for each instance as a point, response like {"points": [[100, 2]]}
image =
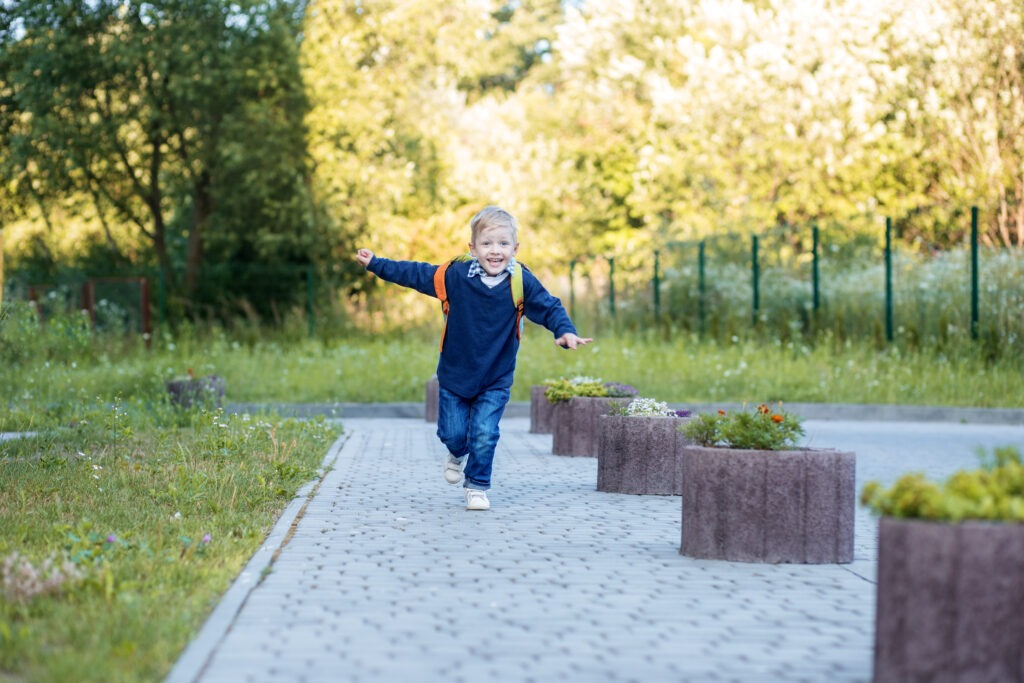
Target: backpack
{"points": [[517, 294]]}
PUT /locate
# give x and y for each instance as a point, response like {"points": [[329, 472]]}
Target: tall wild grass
{"points": [[48, 372]]}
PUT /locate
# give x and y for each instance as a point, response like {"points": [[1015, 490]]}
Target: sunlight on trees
{"points": [[176, 131]]}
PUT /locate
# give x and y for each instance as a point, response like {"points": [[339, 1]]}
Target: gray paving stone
{"points": [[387, 578]]}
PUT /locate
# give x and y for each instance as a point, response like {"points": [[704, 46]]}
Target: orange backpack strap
{"points": [[517, 298], [442, 293]]}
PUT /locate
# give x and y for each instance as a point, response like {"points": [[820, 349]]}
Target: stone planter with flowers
{"points": [[639, 449], [542, 411], [193, 391], [578, 403], [950, 588], [750, 495]]}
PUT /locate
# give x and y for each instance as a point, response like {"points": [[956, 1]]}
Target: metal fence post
{"points": [[611, 285], [888, 279], [700, 284], [815, 281], [572, 293], [754, 279], [1, 267], [657, 288], [310, 313], [974, 272]]}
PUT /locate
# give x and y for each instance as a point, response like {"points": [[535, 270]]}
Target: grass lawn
{"points": [[122, 528], [124, 519]]}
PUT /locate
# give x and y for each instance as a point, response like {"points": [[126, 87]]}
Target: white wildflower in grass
{"points": [[21, 580]]}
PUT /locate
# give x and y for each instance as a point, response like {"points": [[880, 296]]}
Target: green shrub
{"points": [[564, 388], [761, 429], [994, 491]]}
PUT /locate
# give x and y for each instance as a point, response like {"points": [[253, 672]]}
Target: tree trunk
{"points": [[162, 257], [202, 207]]}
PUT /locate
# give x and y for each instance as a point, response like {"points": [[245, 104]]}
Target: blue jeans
{"points": [[469, 427]]}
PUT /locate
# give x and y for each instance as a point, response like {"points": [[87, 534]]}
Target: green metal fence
{"points": [[848, 280], [801, 280]]}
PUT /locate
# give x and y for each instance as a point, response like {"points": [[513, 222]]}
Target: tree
{"points": [[967, 111], [390, 83], [143, 107]]}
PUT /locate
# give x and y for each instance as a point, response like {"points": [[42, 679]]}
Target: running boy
{"points": [[480, 343]]}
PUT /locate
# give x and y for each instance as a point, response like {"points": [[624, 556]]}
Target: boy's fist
{"points": [[364, 256]]}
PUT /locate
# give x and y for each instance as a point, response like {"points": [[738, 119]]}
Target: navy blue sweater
{"points": [[480, 343]]}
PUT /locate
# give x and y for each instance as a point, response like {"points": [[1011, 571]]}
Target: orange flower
{"points": [[764, 409], [721, 412], [777, 418]]}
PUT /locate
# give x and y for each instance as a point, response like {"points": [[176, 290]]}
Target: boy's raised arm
{"points": [[413, 274]]}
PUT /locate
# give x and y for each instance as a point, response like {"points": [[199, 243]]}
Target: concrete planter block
{"points": [[541, 411], [640, 455], [793, 506], [950, 601], [430, 411], [194, 391], [576, 429]]}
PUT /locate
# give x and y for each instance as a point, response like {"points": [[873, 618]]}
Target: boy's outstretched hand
{"points": [[571, 341], [364, 256]]}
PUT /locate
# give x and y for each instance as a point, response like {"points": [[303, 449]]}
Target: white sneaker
{"points": [[477, 500], [452, 470]]}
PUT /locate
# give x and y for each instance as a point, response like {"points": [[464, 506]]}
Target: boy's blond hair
{"points": [[493, 217]]}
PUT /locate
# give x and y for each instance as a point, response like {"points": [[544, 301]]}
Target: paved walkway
{"points": [[377, 573]]}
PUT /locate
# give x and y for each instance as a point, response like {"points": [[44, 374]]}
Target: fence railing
{"points": [[815, 276], [787, 282]]}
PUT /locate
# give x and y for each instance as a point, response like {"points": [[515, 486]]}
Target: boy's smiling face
{"points": [[494, 248]]}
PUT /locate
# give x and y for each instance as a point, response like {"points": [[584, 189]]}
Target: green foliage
{"points": [[389, 123], [23, 337], [123, 526], [564, 388], [144, 114], [994, 491], [46, 374], [761, 429]]}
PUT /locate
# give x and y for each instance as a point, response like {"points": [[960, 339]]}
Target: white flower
{"points": [[647, 407]]}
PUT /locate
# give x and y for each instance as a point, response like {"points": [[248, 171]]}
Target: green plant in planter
{"points": [[192, 390], [994, 491], [762, 429], [616, 390], [562, 389], [646, 407]]}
